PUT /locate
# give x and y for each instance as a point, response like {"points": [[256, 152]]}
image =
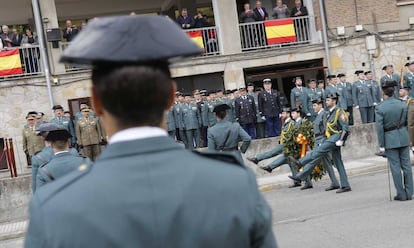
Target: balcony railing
{"points": [[22, 61], [275, 33], [206, 38]]}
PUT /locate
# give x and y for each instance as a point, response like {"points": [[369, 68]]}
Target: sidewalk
{"points": [[13, 230], [353, 167]]}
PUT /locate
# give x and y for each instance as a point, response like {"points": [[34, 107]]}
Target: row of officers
{"points": [[258, 110], [87, 134]]}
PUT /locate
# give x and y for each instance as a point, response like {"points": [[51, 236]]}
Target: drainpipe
{"points": [[325, 36], [42, 48]]}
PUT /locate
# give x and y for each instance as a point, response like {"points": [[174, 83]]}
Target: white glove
{"points": [[382, 149], [412, 148], [357, 107], [263, 118], [339, 143], [375, 104], [308, 114]]}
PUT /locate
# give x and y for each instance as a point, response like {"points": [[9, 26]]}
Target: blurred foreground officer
{"points": [[225, 136], [63, 161], [155, 199], [391, 120]]}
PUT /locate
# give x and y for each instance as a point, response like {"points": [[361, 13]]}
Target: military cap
{"points": [[333, 95], [250, 84], [242, 88], [83, 102], [30, 117], [219, 90], [258, 89], [311, 80], [133, 40], [203, 92], [267, 80], [409, 63], [331, 76], [321, 81], [389, 83], [405, 87], [340, 75], [66, 112], [31, 113], [59, 134], [367, 72], [85, 109], [358, 72], [187, 94], [287, 110], [47, 127], [212, 92], [196, 92], [220, 108], [40, 114], [317, 101], [57, 107], [386, 66], [227, 92], [298, 110], [234, 90]]}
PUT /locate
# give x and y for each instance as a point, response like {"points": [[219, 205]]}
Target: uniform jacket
{"points": [[156, 200], [209, 118], [60, 165], [79, 115], [178, 117], [330, 89], [336, 121], [345, 89], [67, 124], [191, 117], [170, 120], [391, 114], [319, 127], [269, 103], [410, 119], [376, 90], [409, 81], [312, 95], [217, 136], [231, 115], [302, 96], [245, 110], [32, 143], [88, 131], [363, 93]]}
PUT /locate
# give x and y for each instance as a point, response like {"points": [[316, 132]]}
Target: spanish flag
{"points": [[197, 37], [280, 31], [10, 63]]}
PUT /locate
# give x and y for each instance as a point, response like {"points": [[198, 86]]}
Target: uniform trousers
{"points": [[273, 126], [91, 151], [193, 138], [250, 130], [367, 114], [312, 159], [350, 110], [399, 161], [272, 153], [260, 130]]}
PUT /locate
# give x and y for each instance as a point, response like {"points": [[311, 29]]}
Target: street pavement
{"points": [[364, 217]]}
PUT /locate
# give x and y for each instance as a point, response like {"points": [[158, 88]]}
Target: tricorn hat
{"points": [[59, 134], [221, 108]]}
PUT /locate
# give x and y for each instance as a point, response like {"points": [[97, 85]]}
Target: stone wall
{"points": [[15, 195]]}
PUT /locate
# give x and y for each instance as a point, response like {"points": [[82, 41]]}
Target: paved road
{"points": [[362, 218], [317, 219]]}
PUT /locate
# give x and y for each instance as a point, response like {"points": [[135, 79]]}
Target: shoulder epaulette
{"points": [[221, 156]]}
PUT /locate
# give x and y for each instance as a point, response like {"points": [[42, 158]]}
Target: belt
{"points": [[393, 128]]}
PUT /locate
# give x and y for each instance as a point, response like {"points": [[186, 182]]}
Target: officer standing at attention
{"points": [[345, 89], [362, 92], [170, 125], [225, 136], [246, 112], [89, 134], [376, 88], [157, 199], [65, 122], [31, 142], [191, 119], [63, 161], [312, 95], [79, 114], [336, 134], [270, 108], [391, 76], [409, 78], [391, 122], [299, 97], [333, 88]]}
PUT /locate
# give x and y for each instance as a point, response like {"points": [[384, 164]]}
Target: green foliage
{"points": [[292, 148]]}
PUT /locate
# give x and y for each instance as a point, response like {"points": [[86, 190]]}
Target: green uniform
{"points": [[89, 135], [161, 198], [409, 81], [225, 136], [364, 94], [60, 165], [209, 117], [300, 95], [391, 122], [32, 143], [312, 95], [191, 121], [336, 124], [171, 123]]}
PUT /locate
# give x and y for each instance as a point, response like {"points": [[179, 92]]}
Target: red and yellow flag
{"points": [[197, 37], [280, 31], [10, 63]]}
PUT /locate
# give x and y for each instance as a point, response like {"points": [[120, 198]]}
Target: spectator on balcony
{"points": [[30, 53], [184, 20], [247, 31], [70, 31], [200, 20], [16, 38], [281, 10], [247, 15], [301, 24], [260, 13], [6, 36]]}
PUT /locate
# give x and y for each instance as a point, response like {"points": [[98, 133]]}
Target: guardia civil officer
{"points": [[225, 136], [409, 78], [391, 122], [245, 109], [138, 185], [391, 76], [63, 161], [363, 95], [345, 88], [336, 133], [298, 96]]}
